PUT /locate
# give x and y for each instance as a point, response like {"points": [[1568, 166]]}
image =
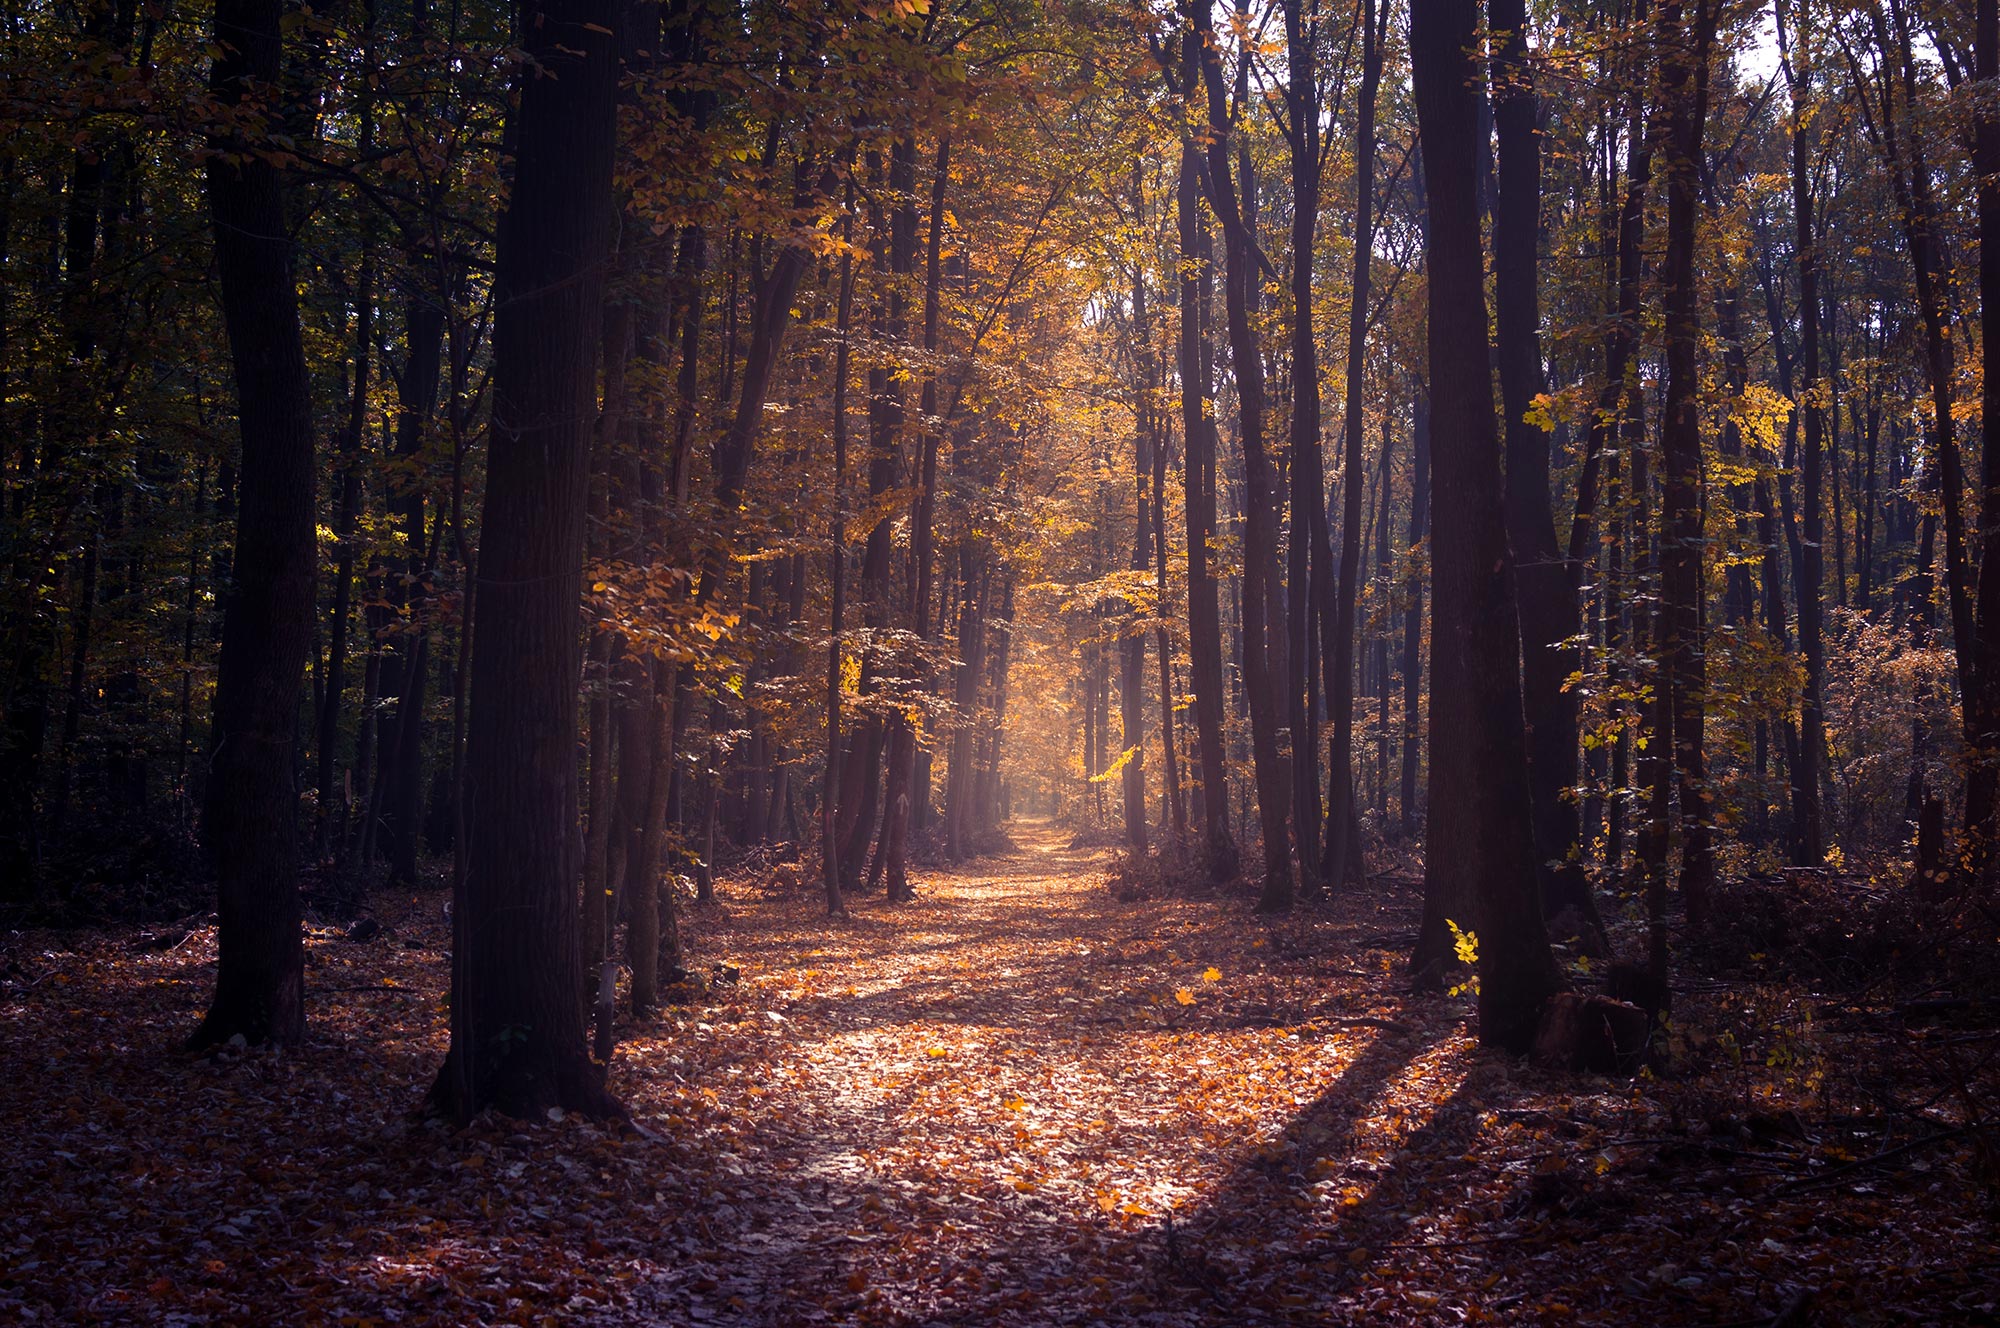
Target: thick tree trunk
{"points": [[517, 1008], [1983, 704], [250, 824], [1481, 839]]}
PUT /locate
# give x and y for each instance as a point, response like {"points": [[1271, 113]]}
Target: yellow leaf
{"points": [[1184, 996], [1212, 975], [1024, 1186], [1014, 1103], [1107, 1203], [936, 1053]]}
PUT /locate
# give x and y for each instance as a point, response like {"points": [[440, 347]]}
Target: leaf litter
{"points": [[1016, 1101]]}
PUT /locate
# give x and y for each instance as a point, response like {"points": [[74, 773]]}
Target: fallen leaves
{"points": [[977, 1109]]}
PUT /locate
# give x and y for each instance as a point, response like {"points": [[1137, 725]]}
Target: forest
{"points": [[928, 662]]}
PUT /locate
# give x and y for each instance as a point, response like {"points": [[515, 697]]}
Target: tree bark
{"points": [[1344, 865], [250, 824], [1809, 830], [1260, 515], [1198, 432], [1310, 555], [1481, 838], [1550, 619], [1983, 705], [1683, 677], [837, 572], [517, 1008], [1413, 615]]}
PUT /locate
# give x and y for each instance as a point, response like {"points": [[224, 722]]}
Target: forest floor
{"points": [[1019, 1100]]}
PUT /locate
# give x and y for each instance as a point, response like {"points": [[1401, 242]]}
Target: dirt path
{"points": [[995, 1097], [1020, 1100]]}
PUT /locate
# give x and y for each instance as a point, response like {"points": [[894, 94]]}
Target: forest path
{"points": [[982, 1106]]}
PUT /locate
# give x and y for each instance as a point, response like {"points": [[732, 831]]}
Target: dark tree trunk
{"points": [[1384, 491], [1260, 541], [1132, 643], [1481, 840], [1343, 864], [1809, 830], [1413, 616], [1309, 555], [250, 824], [1175, 812], [613, 487], [922, 541], [1683, 678], [1198, 432], [837, 573], [333, 693], [1983, 703], [335, 687], [403, 643], [1550, 620], [517, 1009]]}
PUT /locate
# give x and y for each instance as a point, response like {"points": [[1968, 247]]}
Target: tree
{"points": [[1260, 535], [1480, 836], [250, 824], [1549, 616], [1343, 849], [517, 1013], [1683, 681], [1198, 434]]}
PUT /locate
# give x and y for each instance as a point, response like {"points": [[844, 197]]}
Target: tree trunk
{"points": [[1259, 533], [1413, 616], [332, 817], [1809, 831], [1550, 619], [1683, 671], [922, 540], [1481, 839], [837, 573], [1198, 433], [1983, 704], [517, 1008], [250, 824], [1344, 865], [399, 774], [1309, 555]]}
